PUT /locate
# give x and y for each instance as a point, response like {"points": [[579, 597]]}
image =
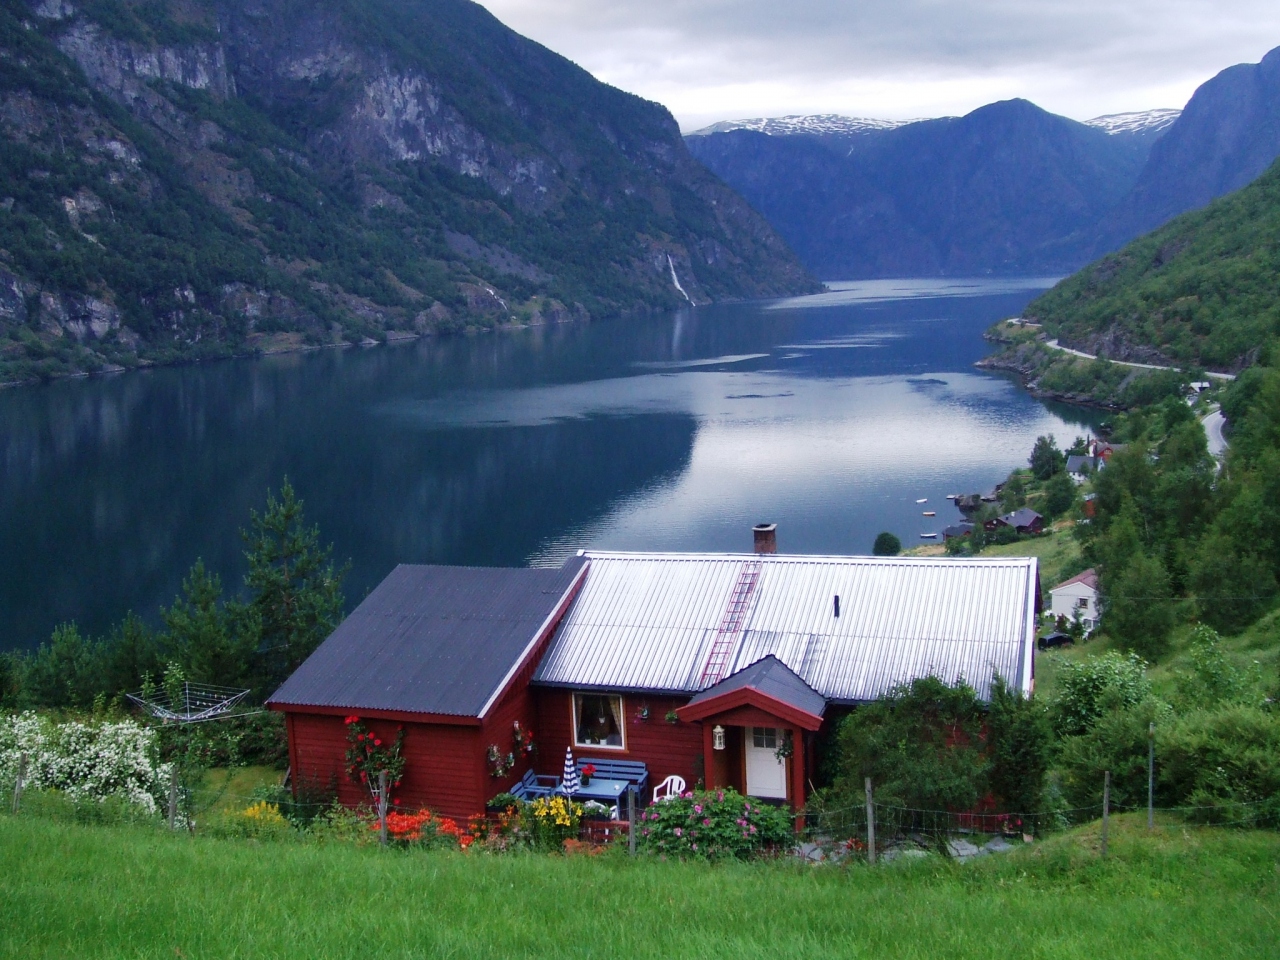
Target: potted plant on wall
{"points": [[643, 713], [672, 716]]}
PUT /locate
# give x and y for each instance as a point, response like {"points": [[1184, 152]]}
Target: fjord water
{"points": [[829, 415]]}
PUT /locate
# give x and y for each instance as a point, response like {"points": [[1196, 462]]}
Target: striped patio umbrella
{"points": [[569, 781]]}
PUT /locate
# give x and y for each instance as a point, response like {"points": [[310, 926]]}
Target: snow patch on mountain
{"points": [[1142, 121], [819, 125]]}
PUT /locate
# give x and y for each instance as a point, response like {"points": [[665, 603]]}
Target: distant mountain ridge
{"points": [[859, 198], [835, 124], [186, 178], [1009, 188]]}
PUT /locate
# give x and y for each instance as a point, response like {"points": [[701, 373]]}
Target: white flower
{"points": [[87, 761]]}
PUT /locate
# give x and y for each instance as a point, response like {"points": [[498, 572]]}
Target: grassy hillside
{"points": [[1202, 290], [111, 892]]}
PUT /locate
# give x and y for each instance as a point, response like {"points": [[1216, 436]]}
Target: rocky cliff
{"points": [[1227, 136], [187, 178]]}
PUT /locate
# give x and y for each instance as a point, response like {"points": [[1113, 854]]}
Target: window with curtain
{"points": [[597, 720]]}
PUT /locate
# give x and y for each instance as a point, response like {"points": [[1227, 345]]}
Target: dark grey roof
{"points": [[1077, 463], [774, 678], [430, 640], [957, 530], [1021, 518]]}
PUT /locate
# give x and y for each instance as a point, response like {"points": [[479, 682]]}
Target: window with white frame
{"points": [[597, 721], [764, 738]]}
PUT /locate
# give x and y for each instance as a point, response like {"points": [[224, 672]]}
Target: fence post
{"points": [[1151, 776], [18, 784], [173, 796], [1106, 809], [382, 806], [631, 818], [871, 824]]}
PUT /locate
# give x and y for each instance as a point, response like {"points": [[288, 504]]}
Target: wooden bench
{"points": [[633, 771]]}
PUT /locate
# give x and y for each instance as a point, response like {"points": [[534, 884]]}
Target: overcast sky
{"points": [[710, 60]]}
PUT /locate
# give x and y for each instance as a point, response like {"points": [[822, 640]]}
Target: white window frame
{"points": [[622, 721]]}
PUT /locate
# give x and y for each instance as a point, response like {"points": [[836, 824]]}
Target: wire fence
{"points": [[822, 832]]}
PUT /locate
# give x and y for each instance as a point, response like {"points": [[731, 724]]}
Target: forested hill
{"points": [[1203, 289], [184, 178]]}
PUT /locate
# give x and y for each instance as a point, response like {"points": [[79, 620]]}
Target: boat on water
{"points": [[928, 536], [953, 496], [930, 513], [923, 500]]}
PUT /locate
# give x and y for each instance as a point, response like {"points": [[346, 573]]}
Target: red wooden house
{"points": [[719, 668]]}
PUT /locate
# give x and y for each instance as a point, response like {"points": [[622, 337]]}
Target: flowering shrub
{"points": [[368, 755], [713, 824], [424, 828], [262, 821], [553, 820], [86, 760]]}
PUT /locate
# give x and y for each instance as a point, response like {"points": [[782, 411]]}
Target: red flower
{"points": [[589, 770], [360, 736], [377, 743]]}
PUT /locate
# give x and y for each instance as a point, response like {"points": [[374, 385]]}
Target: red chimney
{"points": [[766, 537]]}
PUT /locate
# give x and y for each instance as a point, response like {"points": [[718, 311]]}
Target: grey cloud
{"points": [[814, 54]]}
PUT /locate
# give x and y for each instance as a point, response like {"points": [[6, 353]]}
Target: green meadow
{"points": [[70, 890]]}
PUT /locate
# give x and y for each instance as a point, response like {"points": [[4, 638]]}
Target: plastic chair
{"points": [[673, 786]]}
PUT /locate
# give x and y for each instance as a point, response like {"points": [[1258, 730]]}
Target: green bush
{"points": [[1224, 763], [921, 745], [886, 545], [1059, 495], [250, 739], [713, 825], [1091, 687], [1212, 678], [1020, 744], [1116, 741]]}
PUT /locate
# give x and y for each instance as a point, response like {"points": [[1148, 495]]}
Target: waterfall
{"points": [[675, 279]]}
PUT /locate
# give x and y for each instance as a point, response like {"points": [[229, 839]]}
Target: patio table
{"points": [[608, 792]]}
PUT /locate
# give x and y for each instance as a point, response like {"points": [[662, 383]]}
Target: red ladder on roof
{"points": [[731, 623]]}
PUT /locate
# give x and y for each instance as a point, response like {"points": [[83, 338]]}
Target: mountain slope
{"points": [[199, 177], [1228, 134], [1203, 289], [1009, 188]]}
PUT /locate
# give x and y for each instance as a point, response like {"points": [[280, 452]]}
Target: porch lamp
{"points": [[717, 737]]}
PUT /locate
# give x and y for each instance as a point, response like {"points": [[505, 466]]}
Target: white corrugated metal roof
{"points": [[648, 621]]}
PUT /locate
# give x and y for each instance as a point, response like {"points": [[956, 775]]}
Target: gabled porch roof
{"points": [[768, 685]]}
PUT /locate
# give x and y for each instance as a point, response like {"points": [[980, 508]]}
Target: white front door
{"points": [[766, 774]]}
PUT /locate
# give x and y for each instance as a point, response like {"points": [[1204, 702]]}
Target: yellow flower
{"points": [[263, 814]]}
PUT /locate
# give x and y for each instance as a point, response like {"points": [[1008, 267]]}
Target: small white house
{"points": [[1077, 597]]}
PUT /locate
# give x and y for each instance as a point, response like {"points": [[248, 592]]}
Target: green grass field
{"points": [[71, 891]]}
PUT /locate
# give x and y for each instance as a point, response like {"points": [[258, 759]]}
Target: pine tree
{"points": [[295, 590], [213, 641]]}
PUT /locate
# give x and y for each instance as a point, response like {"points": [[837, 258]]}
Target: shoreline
{"points": [[112, 370]]}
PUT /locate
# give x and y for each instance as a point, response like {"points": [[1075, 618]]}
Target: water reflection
{"points": [[675, 432]]}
